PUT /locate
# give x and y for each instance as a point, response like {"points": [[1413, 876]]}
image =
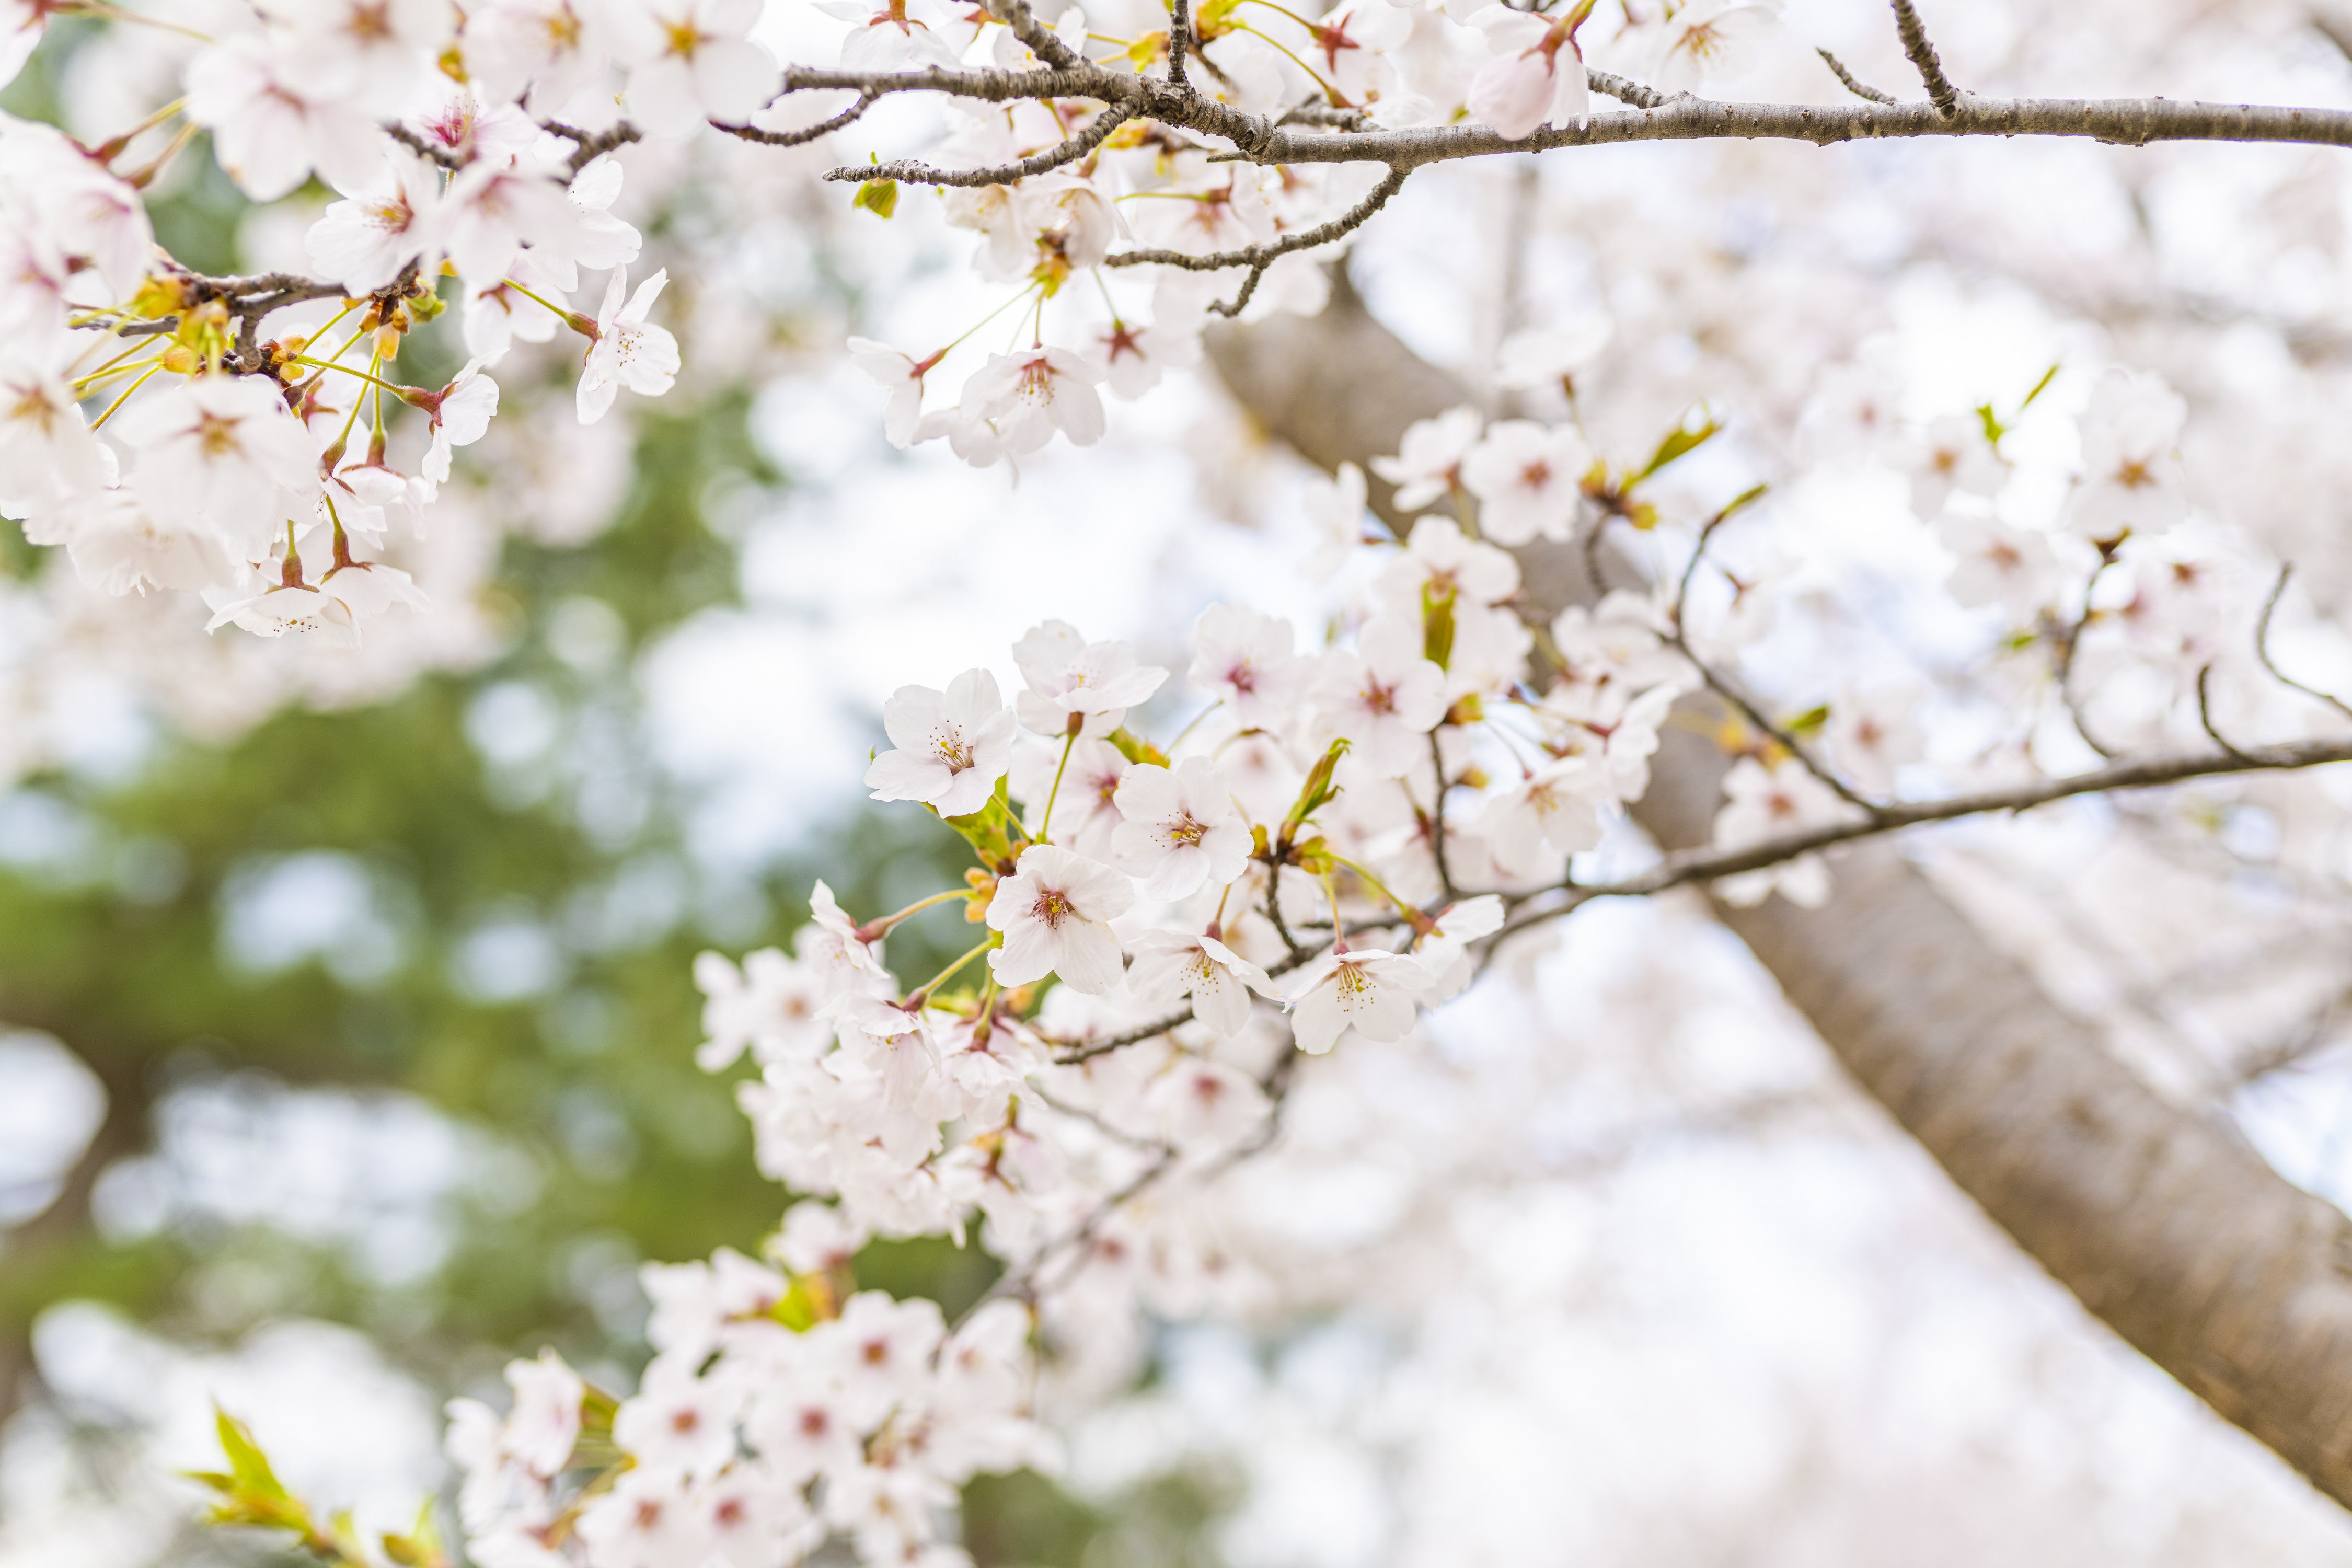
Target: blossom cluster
{"points": [[233, 437], [760, 1426], [174, 431], [1331, 842], [1395, 64]]}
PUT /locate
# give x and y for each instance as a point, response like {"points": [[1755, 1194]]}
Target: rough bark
{"points": [[2160, 1220]]}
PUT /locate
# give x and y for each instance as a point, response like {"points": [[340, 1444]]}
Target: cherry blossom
{"points": [[1714, 41], [292, 607], [1952, 454], [751, 1517], [1181, 831], [679, 1421], [1554, 355], [1535, 78], [845, 962], [461, 415], [1364, 992], [1429, 457], [1076, 687], [1135, 358], [372, 53], [691, 61], [366, 588], [1026, 397], [367, 237], [1761, 803], [894, 37], [1382, 695], [899, 374], [2132, 479], [1528, 479], [1998, 564], [1336, 509], [552, 48], [627, 352], [884, 1350], [47, 451], [644, 1521], [273, 124], [1171, 965], [952, 746], [79, 208], [22, 24], [1246, 658], [119, 547], [1086, 813], [1874, 733], [1554, 805], [1054, 912], [1202, 1104], [224, 449], [1439, 559], [490, 210], [588, 235], [545, 1422]]}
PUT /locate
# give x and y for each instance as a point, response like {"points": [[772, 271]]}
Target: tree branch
{"points": [[1070, 152], [587, 146], [2132, 121], [1688, 866], [1940, 91], [1259, 257], [807, 133]]}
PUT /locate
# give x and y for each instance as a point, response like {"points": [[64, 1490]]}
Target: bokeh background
{"points": [[347, 1008]]}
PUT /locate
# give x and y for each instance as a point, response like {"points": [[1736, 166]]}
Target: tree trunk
{"points": [[2161, 1221]]}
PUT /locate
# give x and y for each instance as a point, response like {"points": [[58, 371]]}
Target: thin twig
{"points": [[1859, 89], [1625, 89], [2205, 714], [1016, 15], [1257, 257], [2263, 647], [807, 133], [1326, 115], [1711, 865], [917, 173], [587, 146], [1722, 686], [1940, 91], [1180, 38], [2070, 639], [432, 153]]}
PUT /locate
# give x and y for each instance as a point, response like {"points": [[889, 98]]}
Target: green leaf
{"points": [[1993, 428], [880, 197], [1811, 720], [1680, 442], [806, 1304], [1316, 793], [249, 1465], [420, 1547], [994, 832]]}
